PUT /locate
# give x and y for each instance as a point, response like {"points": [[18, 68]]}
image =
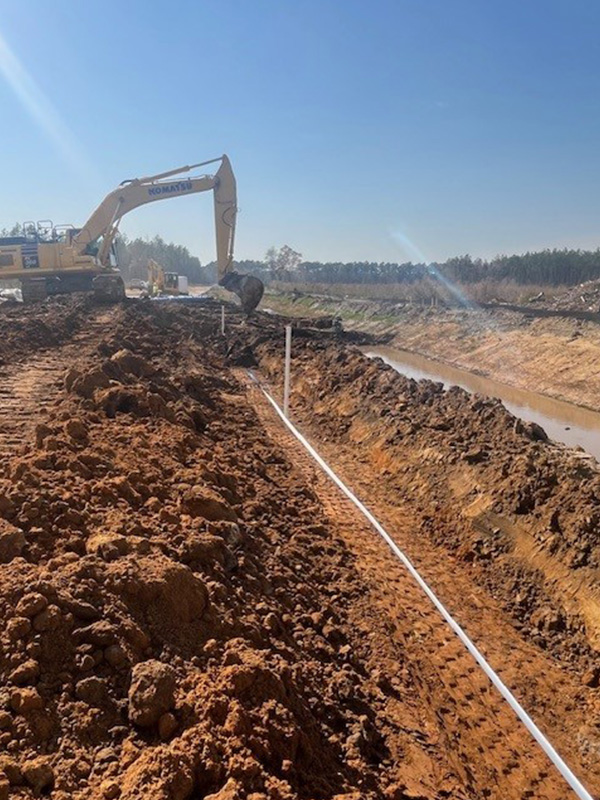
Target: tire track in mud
{"points": [[29, 387], [488, 747]]}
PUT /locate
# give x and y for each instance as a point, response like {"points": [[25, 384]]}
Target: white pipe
{"points": [[533, 729], [286, 377]]}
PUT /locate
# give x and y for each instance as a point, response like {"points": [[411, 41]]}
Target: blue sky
{"points": [[380, 130]]}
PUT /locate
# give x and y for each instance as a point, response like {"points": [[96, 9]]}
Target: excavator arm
{"points": [[98, 233]]}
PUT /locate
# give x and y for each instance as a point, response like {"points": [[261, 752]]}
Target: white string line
{"points": [[495, 679]]}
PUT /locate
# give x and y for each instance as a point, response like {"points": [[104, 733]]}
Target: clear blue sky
{"points": [[375, 130]]}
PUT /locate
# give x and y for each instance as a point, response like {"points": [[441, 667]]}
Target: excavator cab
{"points": [[171, 283]]}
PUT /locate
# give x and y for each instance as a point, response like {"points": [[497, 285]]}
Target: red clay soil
{"points": [[189, 611], [525, 504], [174, 603], [514, 518], [28, 329]]}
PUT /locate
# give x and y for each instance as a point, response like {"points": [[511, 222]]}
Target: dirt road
{"points": [[191, 610]]}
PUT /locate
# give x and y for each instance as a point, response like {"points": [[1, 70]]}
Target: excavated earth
{"points": [[555, 356], [190, 609]]}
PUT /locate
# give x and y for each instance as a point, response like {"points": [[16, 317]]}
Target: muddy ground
{"points": [[555, 356], [190, 610]]}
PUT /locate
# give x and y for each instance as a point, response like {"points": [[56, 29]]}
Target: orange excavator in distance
{"points": [[49, 259]]}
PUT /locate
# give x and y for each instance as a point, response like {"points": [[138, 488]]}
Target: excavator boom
{"points": [[53, 261], [104, 222]]}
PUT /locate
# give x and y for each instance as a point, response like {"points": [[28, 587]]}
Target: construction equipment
{"points": [[247, 287], [50, 259], [165, 283]]}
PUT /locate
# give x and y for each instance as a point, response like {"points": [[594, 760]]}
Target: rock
{"points": [[115, 655], [102, 633], [106, 754], [231, 791], [171, 592], [87, 663], [39, 774], [42, 432], [83, 610], [31, 604], [25, 673], [12, 770], [548, 619], [272, 623], [476, 455], [591, 678], [47, 620], [151, 693], [23, 701], [106, 545], [6, 504], [86, 385], [4, 788], [12, 541], [200, 501], [76, 429], [536, 432], [132, 364], [110, 789], [71, 376], [5, 720], [92, 691], [18, 627], [167, 725], [531, 430]]}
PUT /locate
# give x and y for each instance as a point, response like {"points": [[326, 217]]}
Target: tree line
{"points": [[133, 256], [548, 267], [545, 267]]}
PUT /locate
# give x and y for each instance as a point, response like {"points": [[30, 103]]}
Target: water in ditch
{"points": [[563, 422]]}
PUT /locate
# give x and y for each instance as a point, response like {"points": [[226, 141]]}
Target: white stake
{"points": [[222, 319], [288, 361]]}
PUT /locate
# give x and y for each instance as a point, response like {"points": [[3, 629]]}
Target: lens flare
{"points": [[417, 256], [45, 115]]}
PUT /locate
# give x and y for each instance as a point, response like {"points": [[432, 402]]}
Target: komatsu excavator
{"points": [[50, 259]]}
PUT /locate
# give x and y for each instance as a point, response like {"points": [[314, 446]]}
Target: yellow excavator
{"points": [[49, 259], [161, 282]]}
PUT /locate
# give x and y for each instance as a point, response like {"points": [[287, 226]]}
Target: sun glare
{"points": [[42, 111]]}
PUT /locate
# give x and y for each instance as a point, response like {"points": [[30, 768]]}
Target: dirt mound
{"points": [[27, 329], [189, 613], [584, 297], [522, 511], [168, 631]]}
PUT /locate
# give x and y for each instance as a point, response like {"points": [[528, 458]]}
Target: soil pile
{"points": [[190, 611], [555, 356], [584, 297], [27, 329], [174, 601], [523, 512]]}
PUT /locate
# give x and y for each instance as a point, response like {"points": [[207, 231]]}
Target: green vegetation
{"points": [[134, 254]]}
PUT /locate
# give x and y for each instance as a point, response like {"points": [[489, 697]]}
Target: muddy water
{"points": [[563, 422]]}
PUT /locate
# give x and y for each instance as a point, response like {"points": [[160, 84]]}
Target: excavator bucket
{"points": [[109, 288]]}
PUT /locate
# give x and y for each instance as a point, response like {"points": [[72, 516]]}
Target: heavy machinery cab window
{"points": [[93, 248]]}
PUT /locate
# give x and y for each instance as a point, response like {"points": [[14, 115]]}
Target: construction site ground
{"points": [[558, 356], [191, 609]]}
